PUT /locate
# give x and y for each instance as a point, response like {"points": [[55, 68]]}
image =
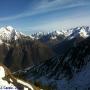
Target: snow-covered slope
{"points": [[38, 35], [83, 31], [3, 83], [55, 34], [9, 34], [51, 35], [9, 82]]}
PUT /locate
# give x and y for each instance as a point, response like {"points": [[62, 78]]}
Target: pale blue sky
{"points": [[31, 16]]}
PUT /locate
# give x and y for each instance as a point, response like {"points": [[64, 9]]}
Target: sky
{"points": [[30, 16]]}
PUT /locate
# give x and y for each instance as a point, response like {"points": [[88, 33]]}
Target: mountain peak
{"points": [[83, 33], [7, 28], [10, 28], [7, 33]]}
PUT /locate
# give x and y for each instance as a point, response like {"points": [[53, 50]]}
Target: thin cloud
{"points": [[66, 23], [47, 6]]}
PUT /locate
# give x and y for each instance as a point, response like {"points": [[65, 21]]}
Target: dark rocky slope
{"points": [[23, 53], [63, 67]]}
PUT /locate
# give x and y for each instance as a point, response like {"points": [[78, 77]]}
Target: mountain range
{"points": [[59, 60], [19, 51]]}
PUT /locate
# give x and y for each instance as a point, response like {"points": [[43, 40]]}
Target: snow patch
{"points": [[3, 83]]}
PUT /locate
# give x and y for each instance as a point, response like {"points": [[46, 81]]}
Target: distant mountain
{"points": [[73, 36], [51, 39], [20, 51], [83, 31], [9, 34]]}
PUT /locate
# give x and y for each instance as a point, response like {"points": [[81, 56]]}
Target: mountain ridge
{"points": [[9, 33]]}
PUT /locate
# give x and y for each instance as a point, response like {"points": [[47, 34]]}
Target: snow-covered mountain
{"points": [[82, 31], [64, 71], [51, 35], [18, 50], [10, 34]]}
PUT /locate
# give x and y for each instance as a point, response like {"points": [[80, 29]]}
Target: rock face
{"points": [[67, 71], [19, 51], [67, 64], [25, 54]]}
